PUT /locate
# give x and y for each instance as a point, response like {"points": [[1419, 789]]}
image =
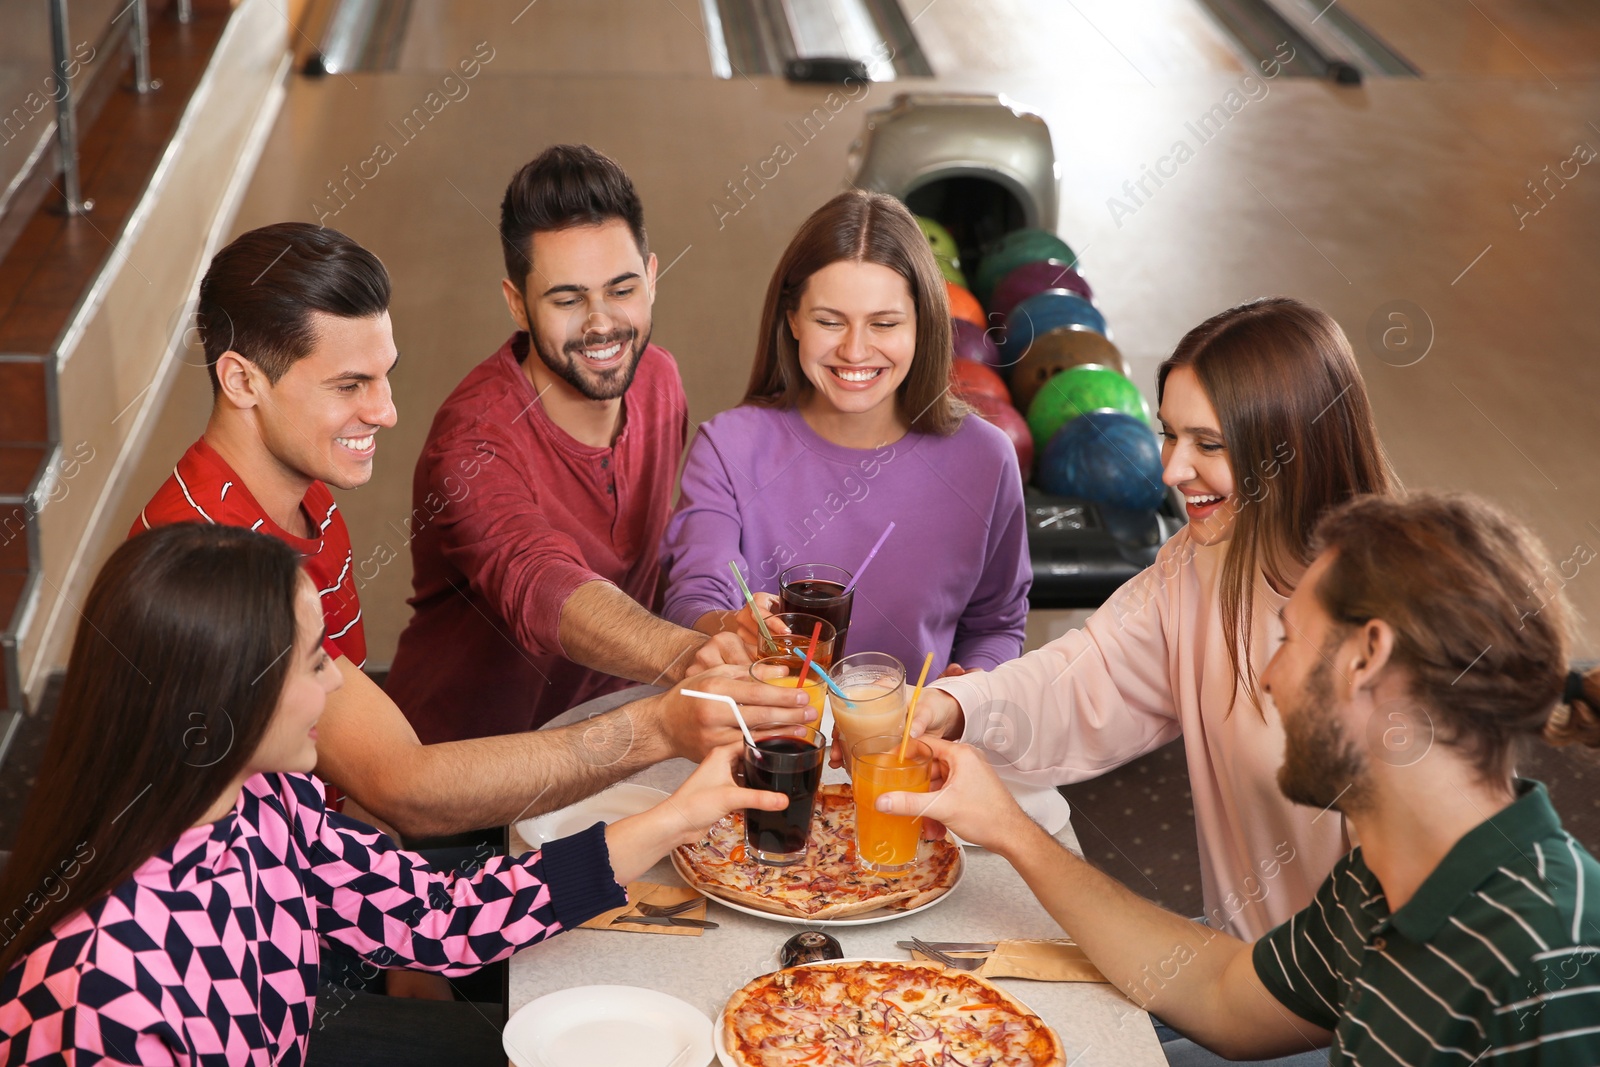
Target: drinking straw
{"points": [[811, 650], [749, 598], [748, 736], [905, 734], [862, 569], [806, 658]]}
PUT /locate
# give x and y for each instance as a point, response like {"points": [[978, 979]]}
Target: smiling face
{"points": [[856, 325], [290, 743], [1322, 766], [587, 308], [1194, 457], [321, 418]]}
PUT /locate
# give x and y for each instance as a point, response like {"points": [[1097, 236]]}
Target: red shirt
{"points": [[510, 515], [203, 488]]}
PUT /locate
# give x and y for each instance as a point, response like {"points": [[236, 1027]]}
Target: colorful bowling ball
{"points": [[1015, 249], [969, 379], [944, 245], [963, 305], [1035, 277], [951, 270], [974, 343], [1043, 312], [1105, 456], [1078, 391], [1056, 351], [1015, 427]]}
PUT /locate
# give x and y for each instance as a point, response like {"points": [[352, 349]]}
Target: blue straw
{"points": [[824, 676]]}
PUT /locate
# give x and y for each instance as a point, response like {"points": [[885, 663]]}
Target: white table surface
{"points": [[1099, 1026]]}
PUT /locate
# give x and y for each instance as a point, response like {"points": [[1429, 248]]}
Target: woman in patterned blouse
{"points": [[177, 865]]}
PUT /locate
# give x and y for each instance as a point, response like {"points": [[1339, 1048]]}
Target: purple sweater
{"points": [[761, 487]]}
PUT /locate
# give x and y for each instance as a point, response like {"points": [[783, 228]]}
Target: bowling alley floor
{"points": [[1430, 198]]}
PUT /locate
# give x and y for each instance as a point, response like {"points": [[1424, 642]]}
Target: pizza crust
{"points": [[761, 888]]}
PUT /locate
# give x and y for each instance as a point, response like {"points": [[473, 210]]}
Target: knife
{"points": [[665, 920], [953, 946]]}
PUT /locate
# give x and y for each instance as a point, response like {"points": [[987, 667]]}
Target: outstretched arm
{"points": [[1198, 980], [367, 747]]}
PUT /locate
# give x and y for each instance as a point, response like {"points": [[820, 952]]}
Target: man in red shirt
{"points": [[298, 342], [534, 579]]}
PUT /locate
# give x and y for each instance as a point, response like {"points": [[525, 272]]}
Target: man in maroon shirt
{"points": [[296, 329], [534, 578]]}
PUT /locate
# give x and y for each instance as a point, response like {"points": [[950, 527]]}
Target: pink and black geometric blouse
{"points": [[208, 953]]}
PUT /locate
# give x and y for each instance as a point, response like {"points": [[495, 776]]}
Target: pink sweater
{"points": [[1151, 664]]}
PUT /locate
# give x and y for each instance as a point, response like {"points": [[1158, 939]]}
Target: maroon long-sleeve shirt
{"points": [[509, 515]]}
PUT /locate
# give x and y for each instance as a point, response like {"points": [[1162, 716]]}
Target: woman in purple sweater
{"points": [[848, 424], [176, 865]]}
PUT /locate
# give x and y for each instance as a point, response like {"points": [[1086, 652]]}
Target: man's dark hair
{"points": [[258, 294], [566, 185]]}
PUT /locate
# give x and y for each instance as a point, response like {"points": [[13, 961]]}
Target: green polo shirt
{"points": [[1494, 961]]}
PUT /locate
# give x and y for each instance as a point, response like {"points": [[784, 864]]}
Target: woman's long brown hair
{"points": [[1300, 439], [174, 675], [861, 227]]}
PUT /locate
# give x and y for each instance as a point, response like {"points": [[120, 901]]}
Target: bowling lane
{"points": [[1087, 42], [1553, 39]]}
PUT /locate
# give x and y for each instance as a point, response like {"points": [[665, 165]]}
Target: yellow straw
{"points": [[905, 734]]}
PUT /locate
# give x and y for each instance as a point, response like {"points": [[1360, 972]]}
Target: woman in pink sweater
{"points": [[176, 865], [1265, 425]]}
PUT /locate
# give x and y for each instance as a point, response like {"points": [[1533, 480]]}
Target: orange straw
{"points": [[905, 734], [811, 653]]}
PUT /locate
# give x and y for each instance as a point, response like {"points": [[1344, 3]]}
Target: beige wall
{"points": [[118, 355]]}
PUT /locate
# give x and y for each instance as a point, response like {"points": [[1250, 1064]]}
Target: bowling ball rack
{"points": [[1082, 551]]}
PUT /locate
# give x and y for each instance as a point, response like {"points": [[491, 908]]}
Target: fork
{"points": [[953, 962], [662, 911]]}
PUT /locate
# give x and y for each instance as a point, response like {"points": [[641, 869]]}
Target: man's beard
{"points": [[571, 365], [1321, 765]]}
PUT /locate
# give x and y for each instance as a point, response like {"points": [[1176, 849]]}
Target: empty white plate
{"points": [[607, 806], [615, 1025]]}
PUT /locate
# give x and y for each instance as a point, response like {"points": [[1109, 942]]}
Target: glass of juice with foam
{"points": [[887, 844], [875, 683]]}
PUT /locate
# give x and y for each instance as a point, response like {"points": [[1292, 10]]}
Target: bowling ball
{"points": [[1015, 427], [1043, 312], [974, 343], [1104, 456], [1056, 351], [969, 379], [944, 246], [963, 305], [1035, 277], [951, 270], [1015, 249], [1078, 391]]}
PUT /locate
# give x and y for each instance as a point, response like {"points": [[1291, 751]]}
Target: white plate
{"points": [[618, 802], [616, 1025], [725, 1058], [1041, 803], [882, 915]]}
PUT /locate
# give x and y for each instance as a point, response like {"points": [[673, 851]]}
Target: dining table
{"points": [[1098, 1026]]}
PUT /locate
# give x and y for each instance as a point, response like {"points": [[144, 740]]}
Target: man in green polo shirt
{"points": [[1423, 647]]}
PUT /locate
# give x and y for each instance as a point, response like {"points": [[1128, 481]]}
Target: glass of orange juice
{"points": [[875, 683], [791, 645], [782, 671], [887, 844]]}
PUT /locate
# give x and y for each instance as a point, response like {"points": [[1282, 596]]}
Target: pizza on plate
{"points": [[828, 883], [837, 1013]]}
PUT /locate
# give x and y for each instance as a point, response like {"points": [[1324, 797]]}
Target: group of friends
{"points": [[1355, 671]]}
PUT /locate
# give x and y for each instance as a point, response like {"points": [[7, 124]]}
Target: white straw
{"points": [[748, 736]]}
